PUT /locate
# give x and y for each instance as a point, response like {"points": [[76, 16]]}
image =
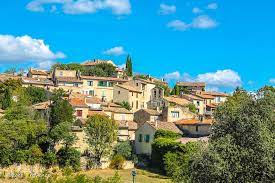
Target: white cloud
{"points": [[118, 7], [204, 22], [200, 22], [221, 78], [178, 25], [172, 76], [272, 81], [25, 48], [212, 6], [196, 10], [215, 80], [167, 9], [116, 51]]}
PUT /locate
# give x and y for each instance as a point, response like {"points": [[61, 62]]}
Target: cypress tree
{"points": [[7, 99], [129, 69]]}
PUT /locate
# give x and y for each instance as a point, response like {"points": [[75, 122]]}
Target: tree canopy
{"points": [[129, 66]]}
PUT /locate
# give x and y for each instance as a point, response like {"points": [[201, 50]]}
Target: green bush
{"points": [[117, 162], [160, 147], [69, 157], [49, 159], [124, 149], [166, 134], [34, 155]]}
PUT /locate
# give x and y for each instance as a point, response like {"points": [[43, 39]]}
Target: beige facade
{"points": [[198, 102], [175, 113], [141, 145]]}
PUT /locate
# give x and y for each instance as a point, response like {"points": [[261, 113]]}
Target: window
{"points": [[79, 113], [155, 93], [132, 94], [103, 94], [140, 138], [143, 86], [197, 128], [198, 103], [136, 104], [175, 114], [76, 84], [132, 104], [118, 92], [60, 73], [111, 84], [136, 84], [90, 83], [136, 95], [92, 92], [102, 83], [147, 138]]}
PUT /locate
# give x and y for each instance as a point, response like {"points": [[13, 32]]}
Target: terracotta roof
{"points": [[92, 113], [39, 81], [177, 100], [129, 87], [117, 110], [128, 124], [193, 122], [106, 104], [195, 84], [69, 79], [203, 96], [151, 112], [78, 102], [165, 126], [4, 77], [212, 105], [104, 78], [93, 100], [145, 80], [185, 140], [190, 97], [214, 93], [38, 72], [42, 105]]}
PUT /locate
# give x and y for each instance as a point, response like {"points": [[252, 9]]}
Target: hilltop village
{"points": [[141, 104]]}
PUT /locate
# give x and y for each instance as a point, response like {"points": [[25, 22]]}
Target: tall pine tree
{"points": [[129, 68], [7, 98]]}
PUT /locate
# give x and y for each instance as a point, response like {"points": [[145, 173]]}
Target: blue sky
{"points": [[224, 43]]}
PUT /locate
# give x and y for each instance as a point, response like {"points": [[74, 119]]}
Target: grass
{"points": [[143, 176]]}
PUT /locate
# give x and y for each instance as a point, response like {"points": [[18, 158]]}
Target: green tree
{"points": [[124, 149], [36, 95], [101, 70], [242, 144], [192, 108], [166, 134], [176, 90], [102, 133], [68, 156], [7, 98], [125, 105], [129, 67], [61, 119]]}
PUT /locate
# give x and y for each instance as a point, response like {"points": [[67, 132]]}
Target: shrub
{"points": [[166, 134], [67, 171], [34, 155], [69, 157], [160, 147], [49, 159], [124, 149], [117, 162]]}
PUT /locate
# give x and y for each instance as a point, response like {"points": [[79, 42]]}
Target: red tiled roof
{"points": [[193, 122], [151, 112], [214, 93], [177, 100], [92, 113], [190, 97], [204, 96], [38, 72], [93, 100], [78, 102], [69, 79], [212, 105], [165, 126], [129, 87], [42, 105], [128, 124], [39, 81]]}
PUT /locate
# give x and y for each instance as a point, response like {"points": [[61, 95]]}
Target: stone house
{"points": [[143, 115]]}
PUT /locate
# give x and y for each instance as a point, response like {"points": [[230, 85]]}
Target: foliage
{"points": [[166, 134], [165, 88], [61, 118], [192, 108], [101, 70], [36, 94], [175, 90], [160, 147], [70, 66], [129, 67], [7, 98], [124, 149], [242, 145], [69, 156], [125, 105], [19, 139], [177, 164], [19, 112], [102, 133], [117, 162], [49, 159]]}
